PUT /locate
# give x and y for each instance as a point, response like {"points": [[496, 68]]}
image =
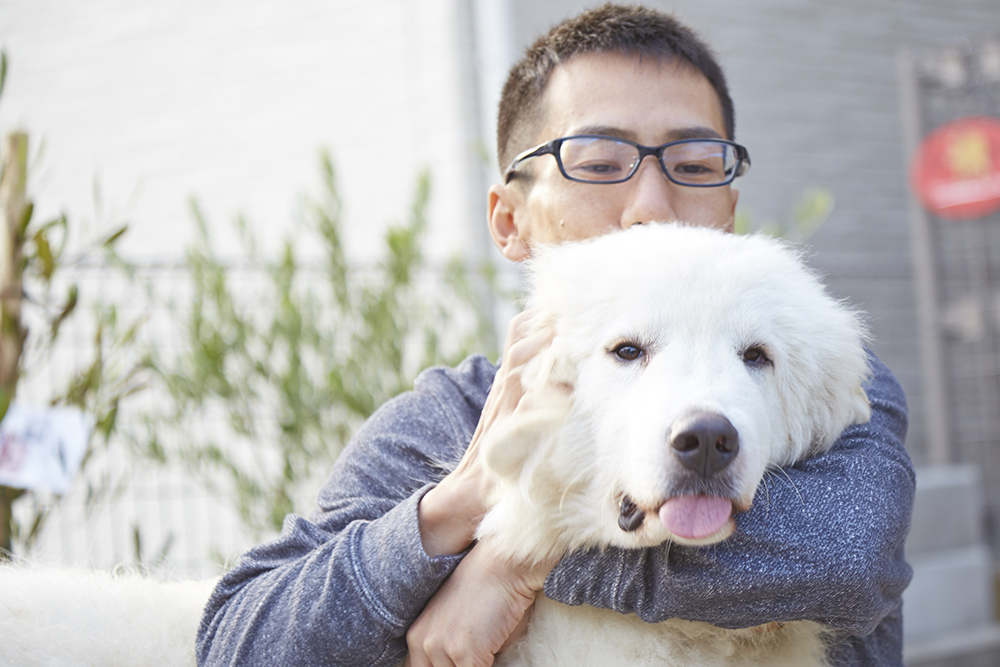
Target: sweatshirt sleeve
{"points": [[823, 541], [344, 587]]}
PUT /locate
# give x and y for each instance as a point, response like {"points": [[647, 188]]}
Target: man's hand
{"points": [[450, 512], [481, 608], [483, 605]]}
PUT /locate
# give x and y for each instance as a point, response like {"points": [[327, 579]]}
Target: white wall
{"points": [[230, 101]]}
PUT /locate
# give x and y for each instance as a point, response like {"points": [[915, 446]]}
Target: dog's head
{"points": [[698, 359]]}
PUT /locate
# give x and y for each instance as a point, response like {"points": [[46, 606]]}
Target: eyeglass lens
{"points": [[695, 163]]}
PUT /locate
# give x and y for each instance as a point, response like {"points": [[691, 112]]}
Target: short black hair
{"points": [[625, 29]]}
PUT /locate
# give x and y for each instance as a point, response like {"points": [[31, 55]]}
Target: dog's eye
{"points": [[627, 352], [755, 355]]}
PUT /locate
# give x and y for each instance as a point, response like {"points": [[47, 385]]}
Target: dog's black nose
{"points": [[704, 442]]}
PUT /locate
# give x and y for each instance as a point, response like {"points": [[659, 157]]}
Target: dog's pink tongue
{"points": [[695, 517]]}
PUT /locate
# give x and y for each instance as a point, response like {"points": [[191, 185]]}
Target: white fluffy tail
{"points": [[56, 617]]}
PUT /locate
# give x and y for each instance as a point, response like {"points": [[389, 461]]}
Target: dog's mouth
{"points": [[631, 517], [689, 518]]}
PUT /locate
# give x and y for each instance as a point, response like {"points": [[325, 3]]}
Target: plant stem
{"points": [[13, 213]]}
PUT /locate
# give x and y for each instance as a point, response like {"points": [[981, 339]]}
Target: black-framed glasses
{"points": [[594, 158]]}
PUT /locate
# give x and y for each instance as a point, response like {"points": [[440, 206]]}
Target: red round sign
{"points": [[956, 171]]}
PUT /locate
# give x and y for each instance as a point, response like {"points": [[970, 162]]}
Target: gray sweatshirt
{"points": [[825, 543]]}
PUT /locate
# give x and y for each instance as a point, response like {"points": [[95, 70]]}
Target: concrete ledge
{"points": [[947, 510], [966, 642], [951, 590]]}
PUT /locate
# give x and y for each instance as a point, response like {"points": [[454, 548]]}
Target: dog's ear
{"points": [[841, 398], [843, 408], [862, 407]]}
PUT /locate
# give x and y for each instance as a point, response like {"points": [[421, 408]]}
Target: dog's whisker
{"points": [[765, 481], [562, 498], [571, 484], [767, 489], [791, 482], [609, 496]]}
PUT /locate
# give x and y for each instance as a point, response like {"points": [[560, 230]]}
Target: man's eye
{"points": [[599, 168], [693, 169], [627, 352]]}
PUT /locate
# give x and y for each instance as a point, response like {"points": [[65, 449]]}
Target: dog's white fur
{"points": [[74, 617], [694, 301]]}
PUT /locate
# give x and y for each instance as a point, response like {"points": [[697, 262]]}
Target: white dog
{"points": [[698, 361]]}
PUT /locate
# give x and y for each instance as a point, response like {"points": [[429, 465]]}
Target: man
{"points": [[388, 565]]}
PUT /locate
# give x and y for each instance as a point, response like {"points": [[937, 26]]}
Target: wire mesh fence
{"points": [[963, 256], [128, 506]]}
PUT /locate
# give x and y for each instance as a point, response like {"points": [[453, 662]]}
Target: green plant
{"points": [[33, 258], [271, 381], [808, 215]]}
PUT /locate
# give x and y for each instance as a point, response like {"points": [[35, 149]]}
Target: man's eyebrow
{"points": [[608, 131], [695, 132]]}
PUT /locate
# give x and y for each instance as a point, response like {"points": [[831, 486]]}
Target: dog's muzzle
{"points": [[704, 442]]}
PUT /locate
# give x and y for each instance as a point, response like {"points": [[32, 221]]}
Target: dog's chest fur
{"points": [[583, 636]]}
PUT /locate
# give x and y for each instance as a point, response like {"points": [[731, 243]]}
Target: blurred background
{"points": [[137, 109]]}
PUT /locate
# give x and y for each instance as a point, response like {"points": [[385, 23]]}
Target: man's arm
{"points": [[823, 541], [344, 587]]}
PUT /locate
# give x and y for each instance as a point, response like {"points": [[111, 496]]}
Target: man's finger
{"points": [[508, 397], [526, 348], [518, 632], [521, 324], [440, 659]]}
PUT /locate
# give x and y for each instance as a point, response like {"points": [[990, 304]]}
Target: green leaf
{"points": [[44, 254], [812, 210], [3, 70], [741, 222], [29, 209], [67, 310], [5, 399], [112, 238]]}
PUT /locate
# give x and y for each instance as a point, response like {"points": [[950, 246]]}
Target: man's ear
{"points": [[731, 225], [504, 221]]}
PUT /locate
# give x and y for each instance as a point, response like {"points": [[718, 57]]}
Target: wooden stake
{"points": [[13, 221]]}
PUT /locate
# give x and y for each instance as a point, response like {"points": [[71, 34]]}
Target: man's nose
{"points": [[650, 197]]}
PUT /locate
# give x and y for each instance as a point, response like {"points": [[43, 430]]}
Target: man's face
{"points": [[649, 101]]}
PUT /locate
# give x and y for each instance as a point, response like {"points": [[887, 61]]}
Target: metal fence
{"points": [[957, 270], [124, 508]]}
